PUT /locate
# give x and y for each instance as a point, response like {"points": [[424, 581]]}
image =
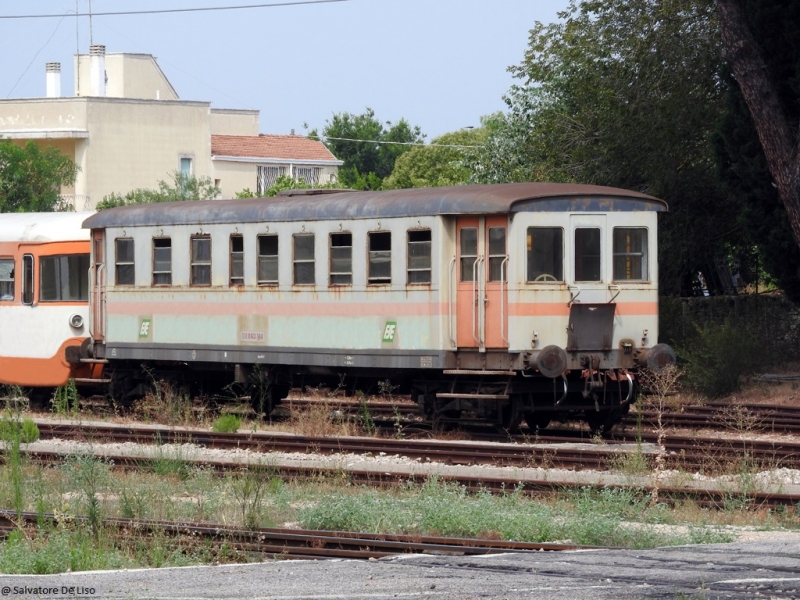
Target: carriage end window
{"points": [[304, 259], [468, 244], [380, 257], [630, 254], [587, 254], [497, 253], [341, 272], [162, 261], [237, 260], [545, 254], [126, 268], [64, 278], [419, 256], [6, 279], [201, 260], [268, 260]]}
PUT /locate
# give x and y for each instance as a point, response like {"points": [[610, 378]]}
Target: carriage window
{"points": [[469, 252], [237, 260], [126, 269], [6, 279], [268, 260], [162, 261], [304, 258], [380, 257], [201, 260], [27, 279], [587, 254], [630, 253], [64, 278], [545, 254], [341, 259], [419, 256], [497, 253]]}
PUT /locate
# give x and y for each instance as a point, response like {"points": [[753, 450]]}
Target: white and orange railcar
{"points": [[44, 287], [507, 301]]}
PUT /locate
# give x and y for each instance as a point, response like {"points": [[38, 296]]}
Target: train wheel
{"points": [[602, 422], [537, 420]]}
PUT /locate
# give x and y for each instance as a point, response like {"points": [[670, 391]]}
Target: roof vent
{"points": [[53, 81], [97, 53]]}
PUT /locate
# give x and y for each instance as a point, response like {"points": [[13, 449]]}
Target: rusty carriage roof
{"points": [[316, 205]]}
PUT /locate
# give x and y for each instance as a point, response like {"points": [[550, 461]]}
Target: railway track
{"points": [[686, 452], [295, 543]]}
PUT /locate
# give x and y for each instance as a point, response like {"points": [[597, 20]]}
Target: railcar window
{"points": [[27, 279], [419, 256], [64, 278], [545, 254], [469, 252], [237, 260], [201, 260], [587, 254], [126, 268], [341, 269], [380, 257], [497, 253], [304, 259], [268, 260], [630, 253], [162, 261], [6, 279]]}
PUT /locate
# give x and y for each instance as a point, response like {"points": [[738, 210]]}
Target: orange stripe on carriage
{"points": [[44, 372]]}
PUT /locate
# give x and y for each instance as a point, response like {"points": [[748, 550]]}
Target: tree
{"points": [[183, 187], [756, 144], [441, 163], [624, 93], [368, 148], [31, 177]]}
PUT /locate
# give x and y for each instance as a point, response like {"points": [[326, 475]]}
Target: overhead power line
{"points": [[328, 137], [174, 10]]}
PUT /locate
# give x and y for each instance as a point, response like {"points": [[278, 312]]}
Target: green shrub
{"points": [[26, 429], [718, 356], [226, 424]]}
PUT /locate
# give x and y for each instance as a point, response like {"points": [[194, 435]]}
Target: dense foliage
{"points": [[183, 187], [31, 177], [368, 147]]}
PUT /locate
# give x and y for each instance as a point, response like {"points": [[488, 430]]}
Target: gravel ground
{"points": [[736, 571]]}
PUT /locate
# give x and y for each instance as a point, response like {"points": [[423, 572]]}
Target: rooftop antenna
{"points": [[77, 49], [91, 40]]}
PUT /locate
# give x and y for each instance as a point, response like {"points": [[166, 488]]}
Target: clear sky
{"points": [[441, 64]]}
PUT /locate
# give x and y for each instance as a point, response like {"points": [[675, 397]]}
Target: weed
{"points": [[65, 399], [165, 404], [249, 488], [226, 424], [367, 423], [90, 475]]}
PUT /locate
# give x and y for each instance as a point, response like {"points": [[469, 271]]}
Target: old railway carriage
{"points": [[509, 301], [44, 266]]}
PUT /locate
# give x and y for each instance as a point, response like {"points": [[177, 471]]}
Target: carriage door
{"points": [[482, 303], [98, 282], [589, 259]]}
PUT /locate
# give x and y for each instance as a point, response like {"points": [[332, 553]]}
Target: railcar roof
{"points": [[43, 227], [499, 198]]}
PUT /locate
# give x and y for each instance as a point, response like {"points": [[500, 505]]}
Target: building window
{"points": [[267, 175], [304, 258], [545, 253], [380, 257], [64, 278], [186, 166], [587, 254], [268, 260], [630, 254], [6, 279], [419, 256], [468, 245], [309, 175], [341, 256], [497, 253], [237, 260], [201, 260], [126, 269], [162, 261]]}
